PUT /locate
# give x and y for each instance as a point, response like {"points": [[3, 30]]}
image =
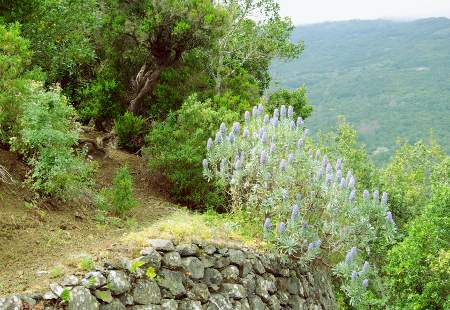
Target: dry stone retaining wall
{"points": [[187, 277]]}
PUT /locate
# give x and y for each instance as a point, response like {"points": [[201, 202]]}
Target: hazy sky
{"points": [[314, 11]]}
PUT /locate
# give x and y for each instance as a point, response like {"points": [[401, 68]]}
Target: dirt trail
{"points": [[38, 244]]}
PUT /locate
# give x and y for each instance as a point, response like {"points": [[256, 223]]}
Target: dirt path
{"points": [[38, 244]]}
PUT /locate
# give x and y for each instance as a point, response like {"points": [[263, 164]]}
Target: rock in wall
{"points": [[188, 277]]}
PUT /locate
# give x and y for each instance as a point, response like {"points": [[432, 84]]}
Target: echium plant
{"points": [[307, 205]]}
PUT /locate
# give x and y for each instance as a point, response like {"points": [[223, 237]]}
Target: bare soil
{"points": [[40, 241]]}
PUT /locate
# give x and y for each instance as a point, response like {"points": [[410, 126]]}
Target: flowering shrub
{"points": [[307, 205]]}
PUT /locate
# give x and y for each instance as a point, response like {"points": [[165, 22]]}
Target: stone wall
{"points": [[187, 276]]}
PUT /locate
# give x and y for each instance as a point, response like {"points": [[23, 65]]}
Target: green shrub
{"points": [[100, 99], [176, 147], [409, 176], [304, 204], [343, 143], [295, 98], [120, 198], [418, 268], [129, 130], [40, 124]]}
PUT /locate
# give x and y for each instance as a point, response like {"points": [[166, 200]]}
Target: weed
{"points": [[56, 272], [86, 263]]}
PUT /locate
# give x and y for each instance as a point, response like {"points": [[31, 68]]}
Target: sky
{"points": [[316, 11]]}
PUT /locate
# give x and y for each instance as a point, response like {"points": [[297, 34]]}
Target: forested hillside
{"points": [[390, 79]]}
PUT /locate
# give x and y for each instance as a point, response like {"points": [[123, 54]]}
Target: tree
{"points": [[254, 33], [418, 267], [158, 33]]}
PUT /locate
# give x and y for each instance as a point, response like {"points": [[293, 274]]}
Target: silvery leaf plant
{"points": [[306, 202]]}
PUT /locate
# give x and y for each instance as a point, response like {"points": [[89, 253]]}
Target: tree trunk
{"points": [[143, 85]]}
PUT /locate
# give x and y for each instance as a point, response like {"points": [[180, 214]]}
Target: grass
{"points": [[86, 263], [185, 226]]}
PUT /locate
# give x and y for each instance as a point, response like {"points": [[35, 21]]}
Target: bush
{"points": [[409, 176], [119, 199], [40, 124], [175, 149], [418, 270], [295, 98], [129, 130], [343, 143], [304, 205]]}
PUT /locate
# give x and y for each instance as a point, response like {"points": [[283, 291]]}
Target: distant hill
{"points": [[390, 79]]}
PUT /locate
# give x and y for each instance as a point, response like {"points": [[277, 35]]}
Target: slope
{"points": [[390, 79]]}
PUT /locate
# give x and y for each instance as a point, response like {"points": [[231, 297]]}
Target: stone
{"points": [[161, 244], [292, 285], [93, 279], [190, 305], [274, 303], [189, 249], [230, 273], [209, 249], [81, 298], [28, 301], [56, 289], [295, 302], [146, 307], [256, 303], [263, 287], [213, 278], [169, 304], [146, 292], [114, 305], [221, 262], [103, 295], [11, 303], [200, 292], [208, 261], [219, 302], [245, 269], [245, 304], [236, 291], [172, 281], [70, 280], [237, 257], [258, 267], [193, 267], [118, 282], [172, 260], [249, 283], [151, 257], [223, 251], [283, 297], [127, 299], [49, 296]]}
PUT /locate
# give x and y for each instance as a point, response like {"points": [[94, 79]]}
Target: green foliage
{"points": [[303, 204], [136, 265], [175, 149], [409, 176], [418, 269], [295, 98], [65, 295], [56, 272], [343, 143], [120, 198], [40, 124], [150, 273], [100, 99], [388, 78], [86, 263], [129, 130], [60, 35]]}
